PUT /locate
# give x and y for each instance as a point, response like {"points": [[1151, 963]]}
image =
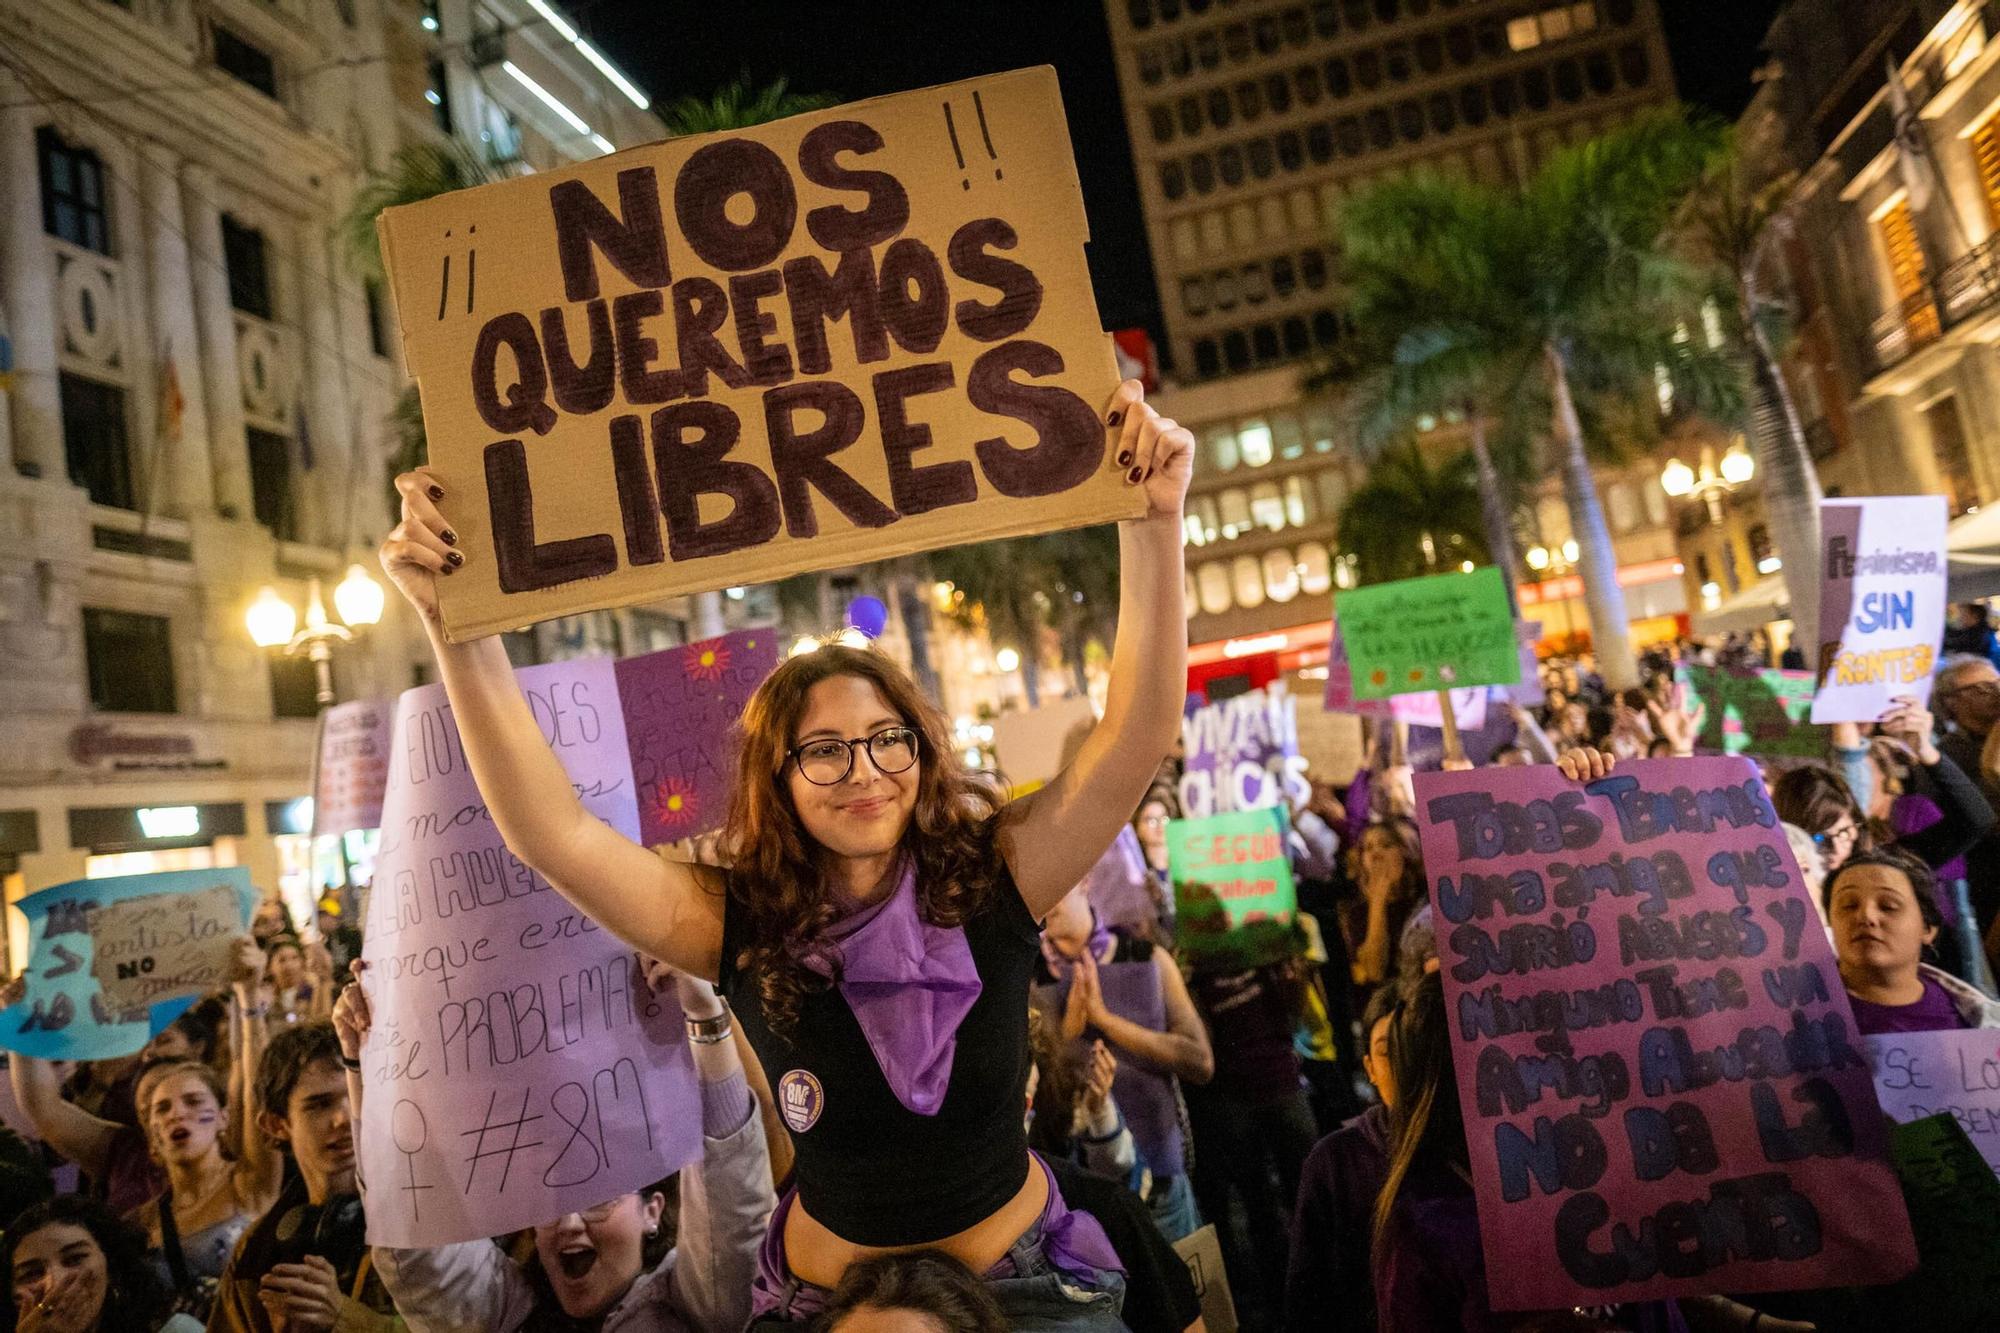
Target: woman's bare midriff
{"points": [[816, 1255]]}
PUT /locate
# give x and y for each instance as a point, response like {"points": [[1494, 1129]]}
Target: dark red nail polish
{"points": [[446, 571], [437, 492], [1134, 475], [1115, 418], [450, 537], [453, 559], [1124, 457]]}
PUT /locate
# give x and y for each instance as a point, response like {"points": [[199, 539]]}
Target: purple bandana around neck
{"points": [[1098, 946], [909, 985]]}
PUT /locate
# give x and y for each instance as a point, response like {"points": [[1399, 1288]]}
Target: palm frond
{"points": [[737, 105], [416, 173]]}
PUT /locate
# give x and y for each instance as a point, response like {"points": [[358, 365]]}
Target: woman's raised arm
{"points": [[1052, 838], [669, 910]]}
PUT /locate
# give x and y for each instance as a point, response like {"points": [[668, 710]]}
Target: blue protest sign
{"points": [[111, 956]]}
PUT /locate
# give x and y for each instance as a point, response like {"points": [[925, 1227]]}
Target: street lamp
{"points": [[273, 623], [1711, 483]]}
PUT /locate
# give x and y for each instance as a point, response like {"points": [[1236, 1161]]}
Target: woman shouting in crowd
{"points": [[877, 929], [618, 1266]]}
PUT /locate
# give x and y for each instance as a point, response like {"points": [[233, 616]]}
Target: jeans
{"points": [[1251, 1153], [1172, 1206]]}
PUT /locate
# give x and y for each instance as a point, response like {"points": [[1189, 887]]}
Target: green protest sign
{"points": [[1760, 712], [1234, 898], [1449, 631]]}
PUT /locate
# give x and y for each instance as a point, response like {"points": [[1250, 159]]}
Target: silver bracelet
{"points": [[709, 1031]]}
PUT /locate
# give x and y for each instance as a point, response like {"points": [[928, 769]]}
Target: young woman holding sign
{"points": [[880, 906]]}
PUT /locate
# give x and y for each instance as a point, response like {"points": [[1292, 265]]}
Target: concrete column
{"points": [[130, 246], [28, 293], [215, 323], [325, 489], [187, 477]]}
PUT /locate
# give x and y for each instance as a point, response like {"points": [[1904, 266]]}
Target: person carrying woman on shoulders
{"points": [[877, 929]]}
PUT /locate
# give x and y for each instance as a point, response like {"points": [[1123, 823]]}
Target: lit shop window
{"points": [[1281, 575], [1246, 578], [1212, 581]]}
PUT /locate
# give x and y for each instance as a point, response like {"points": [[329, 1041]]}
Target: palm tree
{"points": [[1410, 519], [1730, 224], [1563, 282], [737, 105]]}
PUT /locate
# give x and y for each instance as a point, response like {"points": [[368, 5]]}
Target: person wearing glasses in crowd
{"points": [[877, 929]]}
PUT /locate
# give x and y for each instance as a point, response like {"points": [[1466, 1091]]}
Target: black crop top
{"points": [[868, 1168]]}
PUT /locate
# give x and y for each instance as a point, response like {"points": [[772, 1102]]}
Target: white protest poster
{"points": [[1919, 1074], [1881, 605], [1030, 746], [518, 1067]]}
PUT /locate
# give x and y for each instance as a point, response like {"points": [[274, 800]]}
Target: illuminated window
{"points": [[1298, 502], [1986, 156], [1290, 440], [1243, 226], [1271, 217], [1212, 582], [1267, 506], [1908, 271], [1522, 33], [1214, 233], [1186, 237], [1555, 24], [1235, 514], [1246, 580], [1190, 599], [1281, 575], [1315, 572], [1254, 439], [1201, 529], [1621, 507], [1220, 442], [1319, 429]]}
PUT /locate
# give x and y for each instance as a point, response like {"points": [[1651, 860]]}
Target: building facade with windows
{"points": [[196, 399], [1894, 257], [1250, 121]]}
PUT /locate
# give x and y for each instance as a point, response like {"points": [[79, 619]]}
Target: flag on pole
{"points": [[1913, 151]]}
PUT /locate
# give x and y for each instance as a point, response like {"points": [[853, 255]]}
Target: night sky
{"points": [[863, 48]]}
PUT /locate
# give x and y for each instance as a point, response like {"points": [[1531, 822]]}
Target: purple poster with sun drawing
{"points": [[681, 708]]}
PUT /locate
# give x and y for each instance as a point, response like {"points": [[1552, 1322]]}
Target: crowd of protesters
{"points": [[1031, 1162]]}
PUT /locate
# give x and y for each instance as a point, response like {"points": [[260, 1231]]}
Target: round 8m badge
{"points": [[800, 1100]]}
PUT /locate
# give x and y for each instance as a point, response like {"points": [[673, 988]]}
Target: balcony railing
{"points": [[1965, 287]]}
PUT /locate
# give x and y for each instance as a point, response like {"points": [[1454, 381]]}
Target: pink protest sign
{"points": [[681, 708], [1663, 1090], [353, 766], [518, 1068]]}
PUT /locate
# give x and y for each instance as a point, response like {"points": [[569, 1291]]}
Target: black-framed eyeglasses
{"points": [[826, 763], [1846, 830]]}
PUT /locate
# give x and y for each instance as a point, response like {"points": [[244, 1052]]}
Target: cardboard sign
{"points": [[1243, 754], [681, 708], [734, 357], [1030, 745], [1449, 631], [1202, 1253], [1753, 712], [353, 766], [1881, 603], [518, 1068], [1663, 1091], [109, 955], [1922, 1074], [1234, 898]]}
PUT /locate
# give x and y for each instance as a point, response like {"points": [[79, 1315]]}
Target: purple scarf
{"points": [[1098, 946], [909, 985]]}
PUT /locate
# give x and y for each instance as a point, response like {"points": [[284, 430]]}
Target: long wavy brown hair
{"points": [[775, 879]]}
